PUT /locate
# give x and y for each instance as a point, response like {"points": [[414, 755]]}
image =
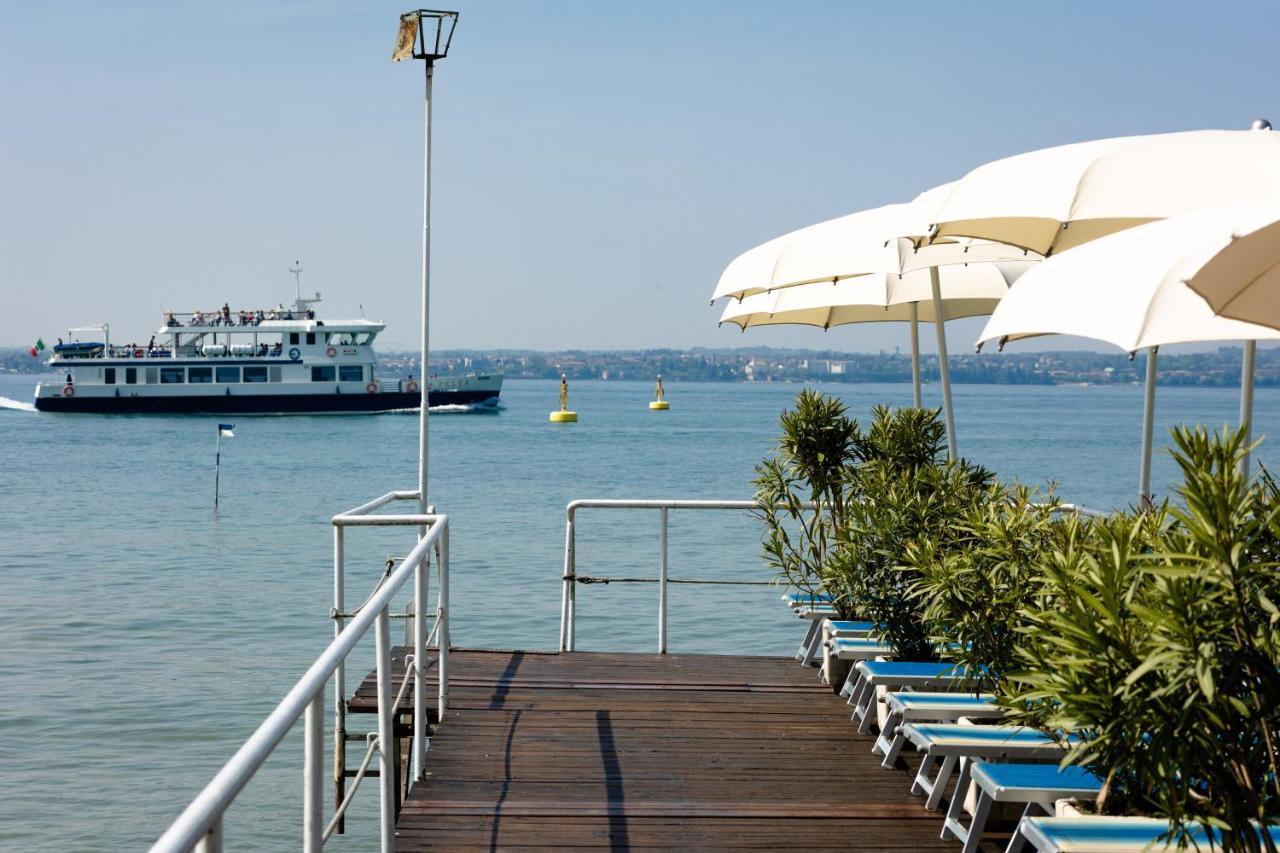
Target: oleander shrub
{"points": [[904, 493], [1157, 645], [809, 466], [975, 595]]}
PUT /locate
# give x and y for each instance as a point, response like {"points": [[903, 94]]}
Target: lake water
{"points": [[143, 637]]}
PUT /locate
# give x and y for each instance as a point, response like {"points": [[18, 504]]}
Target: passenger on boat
{"points": [[151, 344], [226, 313], [197, 319], [169, 320]]}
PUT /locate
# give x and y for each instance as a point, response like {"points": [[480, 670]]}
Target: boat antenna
{"points": [[296, 269]]}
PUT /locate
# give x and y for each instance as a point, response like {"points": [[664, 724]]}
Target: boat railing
{"points": [[200, 826], [239, 318], [571, 578]]}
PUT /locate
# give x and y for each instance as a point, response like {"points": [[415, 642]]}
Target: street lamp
{"points": [[425, 34]]}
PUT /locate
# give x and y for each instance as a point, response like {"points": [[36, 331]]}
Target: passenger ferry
{"points": [[244, 362]]}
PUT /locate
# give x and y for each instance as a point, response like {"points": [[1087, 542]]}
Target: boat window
{"points": [[109, 376], [131, 375], [364, 338], [172, 375], [323, 373], [228, 375], [311, 337], [293, 337], [351, 372], [255, 374], [200, 374], [273, 373], [153, 375]]}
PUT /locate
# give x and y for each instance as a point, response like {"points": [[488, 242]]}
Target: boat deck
{"points": [[634, 751]]}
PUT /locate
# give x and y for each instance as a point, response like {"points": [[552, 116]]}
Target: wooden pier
{"points": [[634, 751]]}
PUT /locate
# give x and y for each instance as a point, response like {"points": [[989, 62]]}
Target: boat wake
{"points": [[16, 405], [463, 408]]}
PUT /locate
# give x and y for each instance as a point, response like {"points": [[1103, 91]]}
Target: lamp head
{"points": [[424, 34]]}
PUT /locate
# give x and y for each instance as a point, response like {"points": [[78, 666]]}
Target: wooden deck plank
{"points": [[634, 751]]}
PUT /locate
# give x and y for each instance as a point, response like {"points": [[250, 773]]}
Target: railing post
{"points": [[212, 840], [313, 776], [386, 733], [339, 676], [421, 574], [662, 581], [567, 585], [442, 620]]}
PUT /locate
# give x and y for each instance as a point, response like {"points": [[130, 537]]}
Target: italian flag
{"points": [[38, 348]]}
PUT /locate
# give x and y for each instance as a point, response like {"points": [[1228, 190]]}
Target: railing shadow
{"points": [[618, 839]]}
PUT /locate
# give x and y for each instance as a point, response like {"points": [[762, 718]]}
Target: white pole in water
{"points": [[1148, 428], [944, 369], [915, 355], [217, 468], [1246, 398]]}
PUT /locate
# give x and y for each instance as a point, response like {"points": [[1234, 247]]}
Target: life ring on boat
{"points": [[137, 353], [331, 352], [372, 387], [410, 386], [294, 353], [68, 390]]}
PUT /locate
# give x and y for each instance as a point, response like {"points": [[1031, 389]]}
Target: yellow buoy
{"points": [[659, 405], [564, 416]]}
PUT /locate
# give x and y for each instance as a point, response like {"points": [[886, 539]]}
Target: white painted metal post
{"points": [[386, 732], [1148, 429], [566, 583], [313, 776], [915, 355], [662, 581], [339, 674], [211, 842], [426, 294], [572, 557], [1246, 398], [944, 369], [421, 573], [442, 621]]}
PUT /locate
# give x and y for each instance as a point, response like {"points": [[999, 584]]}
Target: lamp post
{"points": [[425, 34]]}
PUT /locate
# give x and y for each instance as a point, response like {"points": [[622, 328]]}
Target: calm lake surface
{"points": [[143, 637]]}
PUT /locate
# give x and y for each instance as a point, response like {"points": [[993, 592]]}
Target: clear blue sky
{"points": [[596, 164]]}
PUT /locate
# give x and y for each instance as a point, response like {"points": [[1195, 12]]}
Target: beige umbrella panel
{"points": [[933, 295], [1055, 199], [1131, 290], [868, 241]]}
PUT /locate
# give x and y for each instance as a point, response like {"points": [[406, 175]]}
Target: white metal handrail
{"points": [[200, 824], [570, 578], [569, 592]]}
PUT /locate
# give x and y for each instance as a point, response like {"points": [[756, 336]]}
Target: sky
{"points": [[595, 164]]}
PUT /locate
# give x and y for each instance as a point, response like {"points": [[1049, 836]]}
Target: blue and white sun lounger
{"points": [[894, 676], [928, 707], [1036, 785], [859, 648], [1107, 834], [849, 628], [816, 608], [944, 744]]}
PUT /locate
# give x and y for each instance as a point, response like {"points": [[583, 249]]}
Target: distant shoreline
{"points": [[1218, 368]]}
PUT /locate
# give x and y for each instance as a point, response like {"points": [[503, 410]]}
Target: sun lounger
{"points": [[894, 676], [1036, 785], [944, 744], [848, 628], [1108, 834], [812, 642], [928, 707]]}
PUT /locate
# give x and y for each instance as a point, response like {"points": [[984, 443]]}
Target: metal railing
{"points": [[570, 579], [200, 826]]}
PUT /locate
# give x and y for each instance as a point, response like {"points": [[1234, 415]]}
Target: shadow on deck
{"points": [[633, 751]]}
